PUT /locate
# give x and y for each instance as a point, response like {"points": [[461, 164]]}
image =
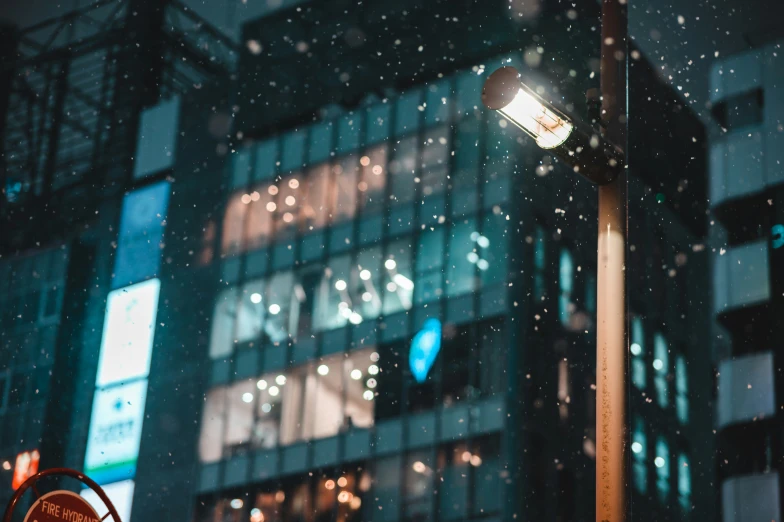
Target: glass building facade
{"points": [[380, 310]]}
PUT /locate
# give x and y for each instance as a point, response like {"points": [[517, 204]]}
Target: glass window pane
{"points": [[372, 188], [662, 463], [240, 168], [398, 278], [291, 387], [234, 224], [463, 256], [279, 297], [266, 157], [269, 411], [259, 225], [386, 486], [453, 492], [469, 92], [492, 359], [467, 154], [334, 306], [402, 170], [288, 199], [239, 416], [293, 150], [323, 415], [378, 118], [407, 115], [639, 455], [661, 365], [437, 102], [566, 284], [493, 249], [349, 131], [213, 426], [435, 160], [418, 486], [486, 461], [429, 279], [637, 349], [367, 280], [346, 180], [457, 361], [250, 312], [361, 388], [222, 334], [320, 142], [315, 208]]}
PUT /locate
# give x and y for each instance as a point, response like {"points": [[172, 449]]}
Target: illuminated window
{"points": [[398, 278], [430, 266], [258, 229], [269, 410], [335, 305], [323, 413], [234, 224], [367, 278], [314, 209], [681, 389], [566, 285], [288, 199], [346, 186], [639, 456], [684, 482], [239, 417], [418, 486], [662, 464], [280, 323], [222, 334], [372, 186], [213, 426], [637, 349], [361, 384], [250, 312], [463, 258], [661, 365]]}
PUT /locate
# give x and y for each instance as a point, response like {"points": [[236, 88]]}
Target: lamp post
{"points": [[600, 158]]}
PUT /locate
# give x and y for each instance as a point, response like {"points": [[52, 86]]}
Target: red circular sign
{"points": [[61, 506]]}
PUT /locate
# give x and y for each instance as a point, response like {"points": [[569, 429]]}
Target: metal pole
{"points": [[611, 335]]}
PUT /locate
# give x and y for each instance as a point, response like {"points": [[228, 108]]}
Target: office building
{"points": [[331, 286], [746, 202]]}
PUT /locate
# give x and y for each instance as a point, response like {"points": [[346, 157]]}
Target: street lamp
{"points": [[575, 143], [597, 159]]}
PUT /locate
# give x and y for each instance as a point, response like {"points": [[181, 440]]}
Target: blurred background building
{"points": [[274, 262]]}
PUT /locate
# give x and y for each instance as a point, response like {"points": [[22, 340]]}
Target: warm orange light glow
{"points": [[26, 467]]}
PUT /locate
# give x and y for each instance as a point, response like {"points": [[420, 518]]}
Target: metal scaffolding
{"points": [[73, 88]]}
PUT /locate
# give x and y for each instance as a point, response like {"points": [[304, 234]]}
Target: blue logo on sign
{"points": [[424, 349]]}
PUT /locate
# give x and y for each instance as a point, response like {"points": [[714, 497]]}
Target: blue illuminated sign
{"points": [[777, 236], [424, 349], [141, 234]]}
